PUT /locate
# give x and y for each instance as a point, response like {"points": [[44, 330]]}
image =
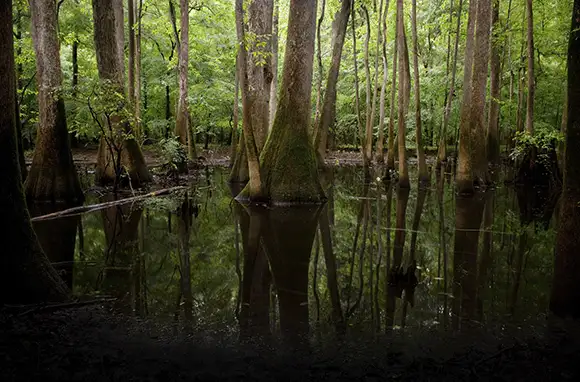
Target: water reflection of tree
{"points": [[57, 237], [277, 240], [185, 221], [468, 216], [121, 227]]}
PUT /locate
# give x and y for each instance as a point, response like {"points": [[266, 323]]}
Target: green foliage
{"points": [[544, 140], [172, 153]]}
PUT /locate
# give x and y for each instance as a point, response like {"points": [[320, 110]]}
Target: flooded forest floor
{"points": [[86, 343], [90, 343]]}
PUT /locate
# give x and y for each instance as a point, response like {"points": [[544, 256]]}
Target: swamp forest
{"points": [[289, 190]]}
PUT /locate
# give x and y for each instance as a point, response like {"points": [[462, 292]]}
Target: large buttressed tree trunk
{"points": [[25, 273], [328, 113], [566, 284], [111, 73], [288, 162], [52, 175], [472, 168]]}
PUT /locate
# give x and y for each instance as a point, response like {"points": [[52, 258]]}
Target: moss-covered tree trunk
{"points": [[566, 285], [328, 113], [288, 161], [110, 65], [52, 174], [25, 273], [403, 104]]}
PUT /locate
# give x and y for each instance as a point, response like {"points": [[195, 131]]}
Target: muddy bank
{"points": [[91, 343]]}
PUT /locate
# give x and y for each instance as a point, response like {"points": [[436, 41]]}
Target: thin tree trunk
{"points": [[376, 79], [132, 51], [320, 71], [140, 134], [423, 173], [368, 141], [531, 81], [356, 82], [380, 156], [236, 112], [274, 84], [495, 87], [52, 174], [182, 128], [401, 128], [391, 148], [442, 151], [328, 112]]}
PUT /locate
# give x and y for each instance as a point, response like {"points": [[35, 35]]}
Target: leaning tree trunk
{"points": [[494, 108], [288, 162], [566, 285], [401, 115], [25, 273], [423, 174], [328, 113], [52, 174], [380, 155], [111, 73]]}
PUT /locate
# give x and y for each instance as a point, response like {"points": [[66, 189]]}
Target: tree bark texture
{"points": [[391, 142], [328, 113], [111, 74], [288, 160], [26, 275], [566, 285], [52, 175], [401, 115], [275, 43], [472, 167], [254, 188]]}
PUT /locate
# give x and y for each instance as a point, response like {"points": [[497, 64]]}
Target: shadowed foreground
{"points": [[85, 344]]}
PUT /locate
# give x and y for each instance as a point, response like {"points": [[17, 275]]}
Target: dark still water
{"points": [[372, 258]]}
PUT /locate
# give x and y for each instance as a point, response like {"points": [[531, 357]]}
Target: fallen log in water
{"points": [[95, 207]]}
